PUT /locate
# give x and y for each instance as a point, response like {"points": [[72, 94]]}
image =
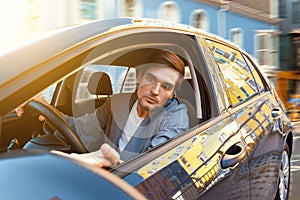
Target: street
{"points": [[295, 164]]}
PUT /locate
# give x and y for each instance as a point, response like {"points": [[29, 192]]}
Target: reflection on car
{"points": [[239, 144], [293, 106]]}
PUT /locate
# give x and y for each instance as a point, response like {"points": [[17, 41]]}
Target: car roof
{"points": [[18, 66], [38, 51], [44, 175]]}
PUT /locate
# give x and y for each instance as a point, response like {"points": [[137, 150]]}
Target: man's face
{"points": [[156, 86]]}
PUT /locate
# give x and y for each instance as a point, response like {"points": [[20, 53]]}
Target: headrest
{"points": [[100, 84]]}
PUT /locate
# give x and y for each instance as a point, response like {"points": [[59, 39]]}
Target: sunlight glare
{"points": [[12, 21]]}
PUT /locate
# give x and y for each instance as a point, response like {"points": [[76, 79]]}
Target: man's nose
{"points": [[155, 88]]}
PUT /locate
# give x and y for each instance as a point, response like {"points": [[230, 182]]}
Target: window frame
{"points": [[127, 10], [169, 11], [237, 33], [269, 52], [241, 55], [204, 23]]}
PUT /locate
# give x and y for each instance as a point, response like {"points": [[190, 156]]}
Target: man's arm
{"points": [[91, 127], [88, 129], [174, 123], [106, 156]]}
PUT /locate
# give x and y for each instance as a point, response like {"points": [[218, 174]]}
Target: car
{"points": [[238, 146]]}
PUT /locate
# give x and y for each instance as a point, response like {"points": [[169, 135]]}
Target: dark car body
{"points": [[239, 143], [41, 175]]}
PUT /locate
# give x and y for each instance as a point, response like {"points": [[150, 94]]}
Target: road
{"points": [[295, 165]]}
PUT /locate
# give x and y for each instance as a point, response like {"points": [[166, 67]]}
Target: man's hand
{"points": [[20, 110], [110, 154], [105, 157]]}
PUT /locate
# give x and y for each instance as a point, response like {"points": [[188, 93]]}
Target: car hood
{"points": [[43, 175]]}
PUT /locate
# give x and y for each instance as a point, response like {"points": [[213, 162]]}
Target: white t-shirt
{"points": [[132, 124]]}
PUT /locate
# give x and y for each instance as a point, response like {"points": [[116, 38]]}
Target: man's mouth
{"points": [[151, 100]]}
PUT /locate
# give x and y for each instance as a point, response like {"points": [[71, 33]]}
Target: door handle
{"points": [[233, 155]]}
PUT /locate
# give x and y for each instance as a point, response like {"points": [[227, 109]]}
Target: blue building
{"points": [[251, 24], [256, 31]]}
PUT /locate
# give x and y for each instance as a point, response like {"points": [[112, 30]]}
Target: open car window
{"points": [[116, 75], [121, 68], [119, 73], [48, 93], [123, 79], [97, 83]]}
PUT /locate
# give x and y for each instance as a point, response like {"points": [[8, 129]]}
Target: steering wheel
{"points": [[54, 118]]}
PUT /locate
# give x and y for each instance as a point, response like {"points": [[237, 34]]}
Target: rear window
{"points": [[239, 81]]}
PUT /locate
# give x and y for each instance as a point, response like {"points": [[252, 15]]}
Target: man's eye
{"points": [[167, 86], [151, 79]]}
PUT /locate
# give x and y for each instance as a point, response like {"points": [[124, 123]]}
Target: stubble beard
{"points": [[146, 107]]}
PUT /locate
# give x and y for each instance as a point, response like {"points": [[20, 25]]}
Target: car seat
{"points": [[186, 96], [100, 87]]}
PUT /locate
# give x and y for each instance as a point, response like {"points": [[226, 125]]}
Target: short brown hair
{"points": [[168, 58], [163, 57]]}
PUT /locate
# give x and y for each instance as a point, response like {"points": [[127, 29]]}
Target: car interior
{"points": [[100, 85]]}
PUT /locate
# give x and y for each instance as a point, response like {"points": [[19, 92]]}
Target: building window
{"points": [[262, 50], [88, 9], [236, 36], [266, 48], [199, 20], [282, 10], [169, 11], [130, 8], [296, 12]]}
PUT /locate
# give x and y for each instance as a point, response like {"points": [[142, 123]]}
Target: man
{"points": [[133, 123]]}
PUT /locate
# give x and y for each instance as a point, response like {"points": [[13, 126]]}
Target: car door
{"points": [[252, 108], [263, 131], [207, 161]]}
